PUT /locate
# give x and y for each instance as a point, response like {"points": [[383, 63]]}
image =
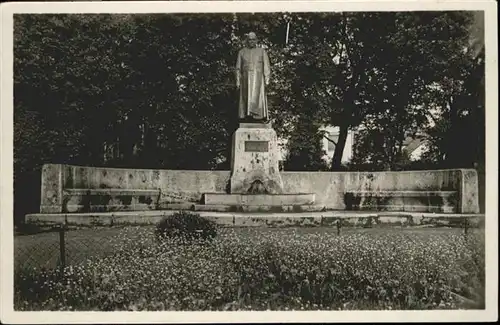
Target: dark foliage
{"points": [[305, 149]]}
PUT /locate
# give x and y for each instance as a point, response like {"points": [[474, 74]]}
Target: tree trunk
{"points": [[339, 148], [453, 154]]}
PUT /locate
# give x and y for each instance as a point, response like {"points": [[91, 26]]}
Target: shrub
{"points": [[186, 226]]}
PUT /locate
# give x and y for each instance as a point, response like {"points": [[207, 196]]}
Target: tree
{"points": [[457, 134], [305, 150], [421, 51]]}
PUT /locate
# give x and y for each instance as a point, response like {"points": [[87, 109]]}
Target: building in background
{"points": [[416, 147], [331, 134]]}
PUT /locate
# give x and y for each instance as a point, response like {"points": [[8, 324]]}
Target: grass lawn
{"points": [[253, 269]]}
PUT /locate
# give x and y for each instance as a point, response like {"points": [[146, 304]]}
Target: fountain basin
{"points": [[258, 199]]}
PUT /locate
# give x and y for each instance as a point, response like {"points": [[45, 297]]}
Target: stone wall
{"points": [[189, 186], [330, 187]]}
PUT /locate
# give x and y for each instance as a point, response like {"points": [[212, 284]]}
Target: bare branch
{"points": [[335, 143]]}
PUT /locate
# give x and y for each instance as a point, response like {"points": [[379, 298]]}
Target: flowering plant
{"points": [[269, 269]]}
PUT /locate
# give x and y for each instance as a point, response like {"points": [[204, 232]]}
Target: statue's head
{"points": [[252, 39]]}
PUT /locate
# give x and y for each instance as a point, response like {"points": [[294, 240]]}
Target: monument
{"points": [[252, 77], [76, 194], [255, 152], [255, 179]]}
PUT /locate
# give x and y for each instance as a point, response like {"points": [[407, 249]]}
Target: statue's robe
{"points": [[252, 71]]}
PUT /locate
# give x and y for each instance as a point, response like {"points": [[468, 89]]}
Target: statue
{"points": [[252, 77]]}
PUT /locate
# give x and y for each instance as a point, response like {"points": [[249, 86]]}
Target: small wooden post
{"points": [[62, 249], [339, 225], [287, 31], [466, 225]]}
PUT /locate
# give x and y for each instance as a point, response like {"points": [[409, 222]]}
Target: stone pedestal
{"points": [[255, 160]]}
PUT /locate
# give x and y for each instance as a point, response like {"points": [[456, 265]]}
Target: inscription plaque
{"points": [[256, 146]]}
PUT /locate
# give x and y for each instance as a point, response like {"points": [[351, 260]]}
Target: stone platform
{"points": [[245, 219], [241, 208]]}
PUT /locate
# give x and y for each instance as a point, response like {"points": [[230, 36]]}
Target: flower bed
{"points": [[269, 269]]}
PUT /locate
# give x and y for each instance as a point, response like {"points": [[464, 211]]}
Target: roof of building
{"points": [[412, 143]]}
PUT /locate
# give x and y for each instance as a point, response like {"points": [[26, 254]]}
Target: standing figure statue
{"points": [[252, 77]]}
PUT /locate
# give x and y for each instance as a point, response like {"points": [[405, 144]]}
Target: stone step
{"points": [[102, 200], [245, 219], [259, 208], [240, 208], [258, 199], [416, 201]]}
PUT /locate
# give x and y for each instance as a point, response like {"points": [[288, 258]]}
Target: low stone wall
{"points": [[174, 185], [330, 188], [178, 186]]}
